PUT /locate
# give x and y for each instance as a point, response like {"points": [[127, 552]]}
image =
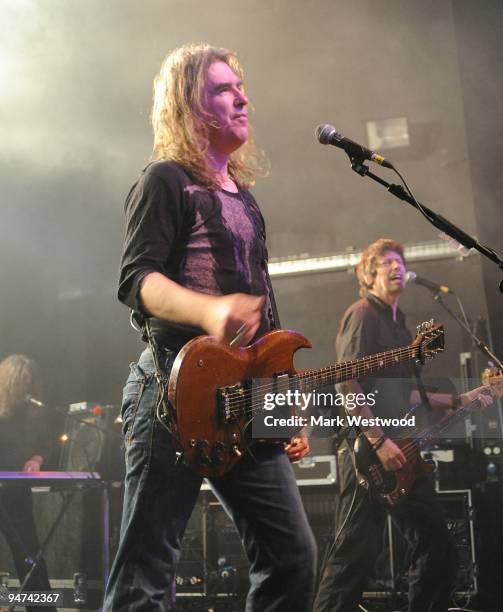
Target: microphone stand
{"points": [[483, 348], [438, 221]]}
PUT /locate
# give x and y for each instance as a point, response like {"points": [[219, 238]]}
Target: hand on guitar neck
{"points": [[484, 394], [393, 459]]}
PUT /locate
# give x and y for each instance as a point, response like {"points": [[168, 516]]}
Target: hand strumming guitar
{"points": [[391, 456], [220, 316], [227, 314]]}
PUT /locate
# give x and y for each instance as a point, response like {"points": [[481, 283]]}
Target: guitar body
{"points": [[210, 428], [211, 388], [390, 487]]}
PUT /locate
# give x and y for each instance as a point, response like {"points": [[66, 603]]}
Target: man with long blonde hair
{"points": [[195, 262]]}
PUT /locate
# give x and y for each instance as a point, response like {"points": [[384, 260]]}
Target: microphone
{"points": [[412, 277], [31, 400], [327, 134]]}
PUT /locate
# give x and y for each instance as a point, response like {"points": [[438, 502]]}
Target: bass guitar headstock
{"points": [[493, 378], [430, 340]]}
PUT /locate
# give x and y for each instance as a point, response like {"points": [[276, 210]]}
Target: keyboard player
{"points": [[24, 443]]}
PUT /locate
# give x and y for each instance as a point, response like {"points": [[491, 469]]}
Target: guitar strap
{"points": [[420, 387], [275, 315], [165, 413]]}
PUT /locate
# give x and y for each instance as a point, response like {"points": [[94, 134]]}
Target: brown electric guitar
{"points": [[210, 388], [392, 487]]}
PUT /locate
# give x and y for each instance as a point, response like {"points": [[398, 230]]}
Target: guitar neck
{"points": [[449, 420], [347, 370]]}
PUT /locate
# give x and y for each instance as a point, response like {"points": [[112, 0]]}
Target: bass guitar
{"points": [[216, 391], [392, 487]]}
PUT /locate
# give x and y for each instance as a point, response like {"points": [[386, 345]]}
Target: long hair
{"points": [[180, 122], [19, 377], [366, 269]]}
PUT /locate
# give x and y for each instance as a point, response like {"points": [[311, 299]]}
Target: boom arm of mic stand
{"points": [[437, 220]]}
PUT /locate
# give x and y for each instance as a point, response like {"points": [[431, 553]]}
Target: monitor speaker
{"points": [[94, 441]]}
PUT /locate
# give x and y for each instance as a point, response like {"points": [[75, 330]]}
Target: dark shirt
{"points": [[23, 435], [366, 328], [211, 242]]}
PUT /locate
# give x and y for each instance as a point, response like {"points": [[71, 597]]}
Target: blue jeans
{"points": [[259, 493]]}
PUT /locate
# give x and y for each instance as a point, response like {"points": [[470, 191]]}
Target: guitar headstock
{"points": [[492, 377], [430, 340]]}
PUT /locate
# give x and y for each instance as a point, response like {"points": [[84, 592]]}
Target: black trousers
{"points": [[17, 524], [349, 560]]}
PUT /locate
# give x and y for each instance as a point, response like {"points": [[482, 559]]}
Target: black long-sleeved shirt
{"points": [[24, 434]]}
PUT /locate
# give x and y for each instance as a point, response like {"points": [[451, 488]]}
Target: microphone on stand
{"points": [[412, 277], [327, 134], [31, 400]]}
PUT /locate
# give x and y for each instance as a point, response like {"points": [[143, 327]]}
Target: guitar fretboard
{"points": [[445, 423], [339, 372]]}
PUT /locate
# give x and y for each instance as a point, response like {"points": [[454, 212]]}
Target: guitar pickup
{"points": [[233, 402]]}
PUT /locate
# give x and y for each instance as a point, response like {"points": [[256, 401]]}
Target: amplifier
{"points": [[458, 466]]}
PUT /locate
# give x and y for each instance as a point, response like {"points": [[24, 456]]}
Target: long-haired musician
{"points": [[24, 445], [195, 262]]}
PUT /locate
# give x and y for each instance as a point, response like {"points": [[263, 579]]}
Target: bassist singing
{"points": [[374, 324]]}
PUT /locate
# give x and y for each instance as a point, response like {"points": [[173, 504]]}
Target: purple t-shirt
{"points": [[212, 242]]}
